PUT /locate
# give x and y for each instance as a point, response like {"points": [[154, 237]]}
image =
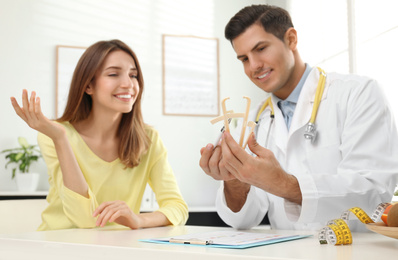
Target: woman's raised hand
{"points": [[30, 112]]}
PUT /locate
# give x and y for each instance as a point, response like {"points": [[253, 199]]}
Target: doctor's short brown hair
{"points": [[273, 19]]}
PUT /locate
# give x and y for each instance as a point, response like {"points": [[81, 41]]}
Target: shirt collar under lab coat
{"points": [[294, 96], [288, 105]]}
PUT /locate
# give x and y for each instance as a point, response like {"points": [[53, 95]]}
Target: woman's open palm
{"points": [[30, 112]]}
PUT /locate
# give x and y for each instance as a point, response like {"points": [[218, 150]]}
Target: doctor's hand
{"points": [[30, 112], [263, 171], [212, 164]]}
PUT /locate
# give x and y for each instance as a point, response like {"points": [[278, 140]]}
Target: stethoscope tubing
{"points": [[310, 132]]}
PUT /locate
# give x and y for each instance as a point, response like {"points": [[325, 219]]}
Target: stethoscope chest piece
{"points": [[310, 132]]}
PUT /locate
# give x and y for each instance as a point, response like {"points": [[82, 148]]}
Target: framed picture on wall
{"points": [[66, 61], [190, 76]]}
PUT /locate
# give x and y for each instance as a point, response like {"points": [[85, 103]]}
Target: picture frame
{"points": [[66, 61], [190, 76]]}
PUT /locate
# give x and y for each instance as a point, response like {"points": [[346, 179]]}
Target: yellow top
{"points": [[108, 181]]}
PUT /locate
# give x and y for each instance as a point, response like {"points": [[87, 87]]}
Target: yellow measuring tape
{"points": [[337, 232]]}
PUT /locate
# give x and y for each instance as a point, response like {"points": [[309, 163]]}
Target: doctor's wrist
{"points": [[235, 193], [292, 191]]}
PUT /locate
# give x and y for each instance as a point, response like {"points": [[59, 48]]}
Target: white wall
{"points": [[30, 30]]}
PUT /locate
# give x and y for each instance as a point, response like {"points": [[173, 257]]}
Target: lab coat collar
{"points": [[302, 114], [279, 131]]}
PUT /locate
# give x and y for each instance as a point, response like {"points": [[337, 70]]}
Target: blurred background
{"points": [[342, 35]]}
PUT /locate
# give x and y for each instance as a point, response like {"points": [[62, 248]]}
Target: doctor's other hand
{"points": [[212, 163], [31, 113], [262, 171]]}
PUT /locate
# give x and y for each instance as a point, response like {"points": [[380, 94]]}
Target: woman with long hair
{"points": [[100, 154]]}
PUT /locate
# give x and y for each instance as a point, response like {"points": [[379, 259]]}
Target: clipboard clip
{"points": [[190, 241]]}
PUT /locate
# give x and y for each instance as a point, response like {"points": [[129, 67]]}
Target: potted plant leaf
{"points": [[22, 157]]}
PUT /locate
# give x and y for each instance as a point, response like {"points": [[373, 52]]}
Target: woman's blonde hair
{"points": [[133, 139]]}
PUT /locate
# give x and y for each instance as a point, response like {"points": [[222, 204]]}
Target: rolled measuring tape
{"points": [[337, 231]]}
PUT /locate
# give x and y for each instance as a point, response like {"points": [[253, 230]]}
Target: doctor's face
{"points": [[267, 61]]}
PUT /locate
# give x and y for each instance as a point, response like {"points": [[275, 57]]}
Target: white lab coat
{"points": [[353, 161]]}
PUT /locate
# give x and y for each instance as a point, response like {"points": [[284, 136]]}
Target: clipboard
{"points": [[226, 239]]}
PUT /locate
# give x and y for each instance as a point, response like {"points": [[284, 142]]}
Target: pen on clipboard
{"points": [[220, 134], [190, 241]]}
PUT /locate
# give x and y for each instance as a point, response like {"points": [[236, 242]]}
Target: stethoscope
{"points": [[310, 131]]}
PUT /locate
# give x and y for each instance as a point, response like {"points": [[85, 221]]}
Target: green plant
{"points": [[22, 156]]}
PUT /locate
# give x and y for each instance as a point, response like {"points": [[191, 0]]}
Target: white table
{"points": [[120, 243]]}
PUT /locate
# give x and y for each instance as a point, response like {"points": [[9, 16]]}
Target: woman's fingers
{"points": [[115, 216], [32, 106], [38, 107], [18, 109], [103, 213], [28, 107], [118, 212], [109, 212], [32, 114], [25, 103], [99, 209], [30, 111]]}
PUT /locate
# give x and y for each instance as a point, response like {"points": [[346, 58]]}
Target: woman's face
{"points": [[115, 86]]}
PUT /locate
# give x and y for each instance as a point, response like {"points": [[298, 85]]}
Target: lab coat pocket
{"points": [[324, 156]]}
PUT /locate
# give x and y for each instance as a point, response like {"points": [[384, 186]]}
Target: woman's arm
{"points": [[119, 212], [164, 184], [31, 113]]}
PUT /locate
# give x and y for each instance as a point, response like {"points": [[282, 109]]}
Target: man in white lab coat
{"points": [[353, 161]]}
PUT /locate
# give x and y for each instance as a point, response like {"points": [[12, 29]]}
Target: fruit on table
{"points": [[390, 215], [385, 214]]}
